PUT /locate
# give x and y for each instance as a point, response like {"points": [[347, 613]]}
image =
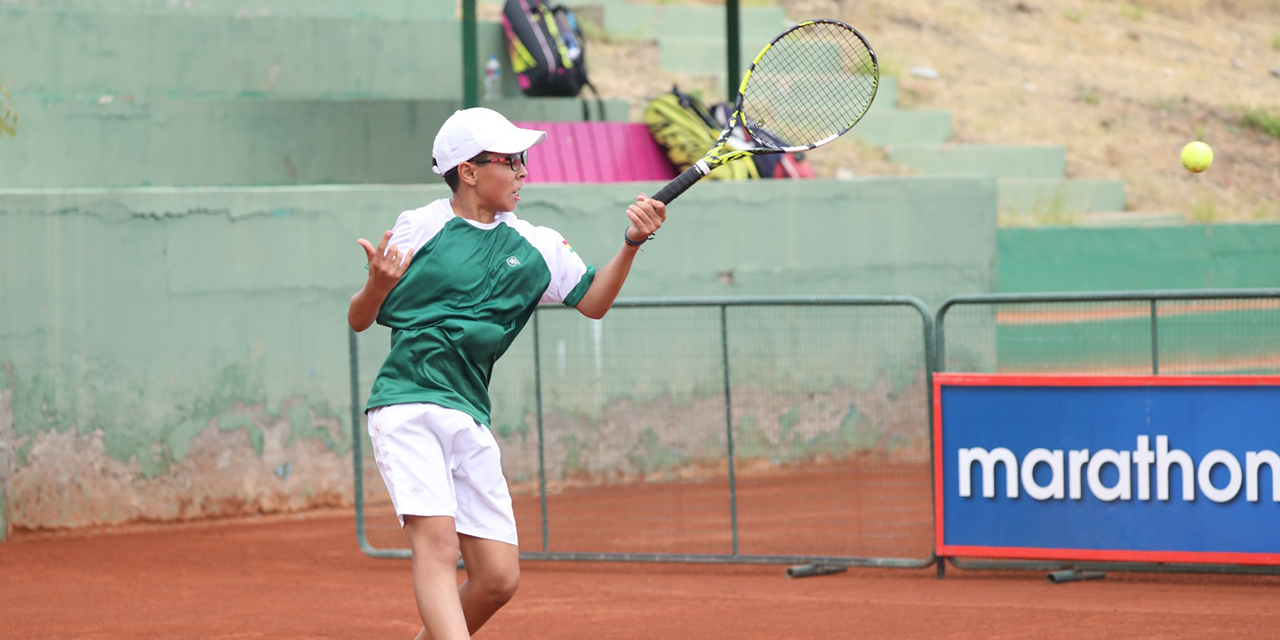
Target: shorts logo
{"points": [[415, 489], [513, 261]]}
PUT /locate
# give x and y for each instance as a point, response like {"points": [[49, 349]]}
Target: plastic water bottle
{"points": [[493, 79]]}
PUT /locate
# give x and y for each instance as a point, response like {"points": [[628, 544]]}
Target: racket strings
{"points": [[812, 84]]}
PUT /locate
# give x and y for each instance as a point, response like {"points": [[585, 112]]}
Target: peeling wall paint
{"points": [[69, 479], [8, 447]]}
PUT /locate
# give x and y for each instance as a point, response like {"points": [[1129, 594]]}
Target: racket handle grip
{"points": [[679, 185]]}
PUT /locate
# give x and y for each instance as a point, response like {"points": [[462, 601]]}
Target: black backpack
{"points": [[546, 47]]}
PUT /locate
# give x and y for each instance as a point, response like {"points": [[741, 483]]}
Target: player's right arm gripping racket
{"points": [[805, 89]]}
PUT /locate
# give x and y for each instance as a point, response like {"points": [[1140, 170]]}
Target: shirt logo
{"points": [[566, 245], [513, 261]]}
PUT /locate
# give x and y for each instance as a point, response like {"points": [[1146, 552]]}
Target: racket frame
{"points": [[721, 153]]}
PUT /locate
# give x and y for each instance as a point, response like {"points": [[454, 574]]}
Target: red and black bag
{"points": [[768, 165]]}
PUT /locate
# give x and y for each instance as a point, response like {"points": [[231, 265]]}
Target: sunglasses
{"points": [[516, 161]]}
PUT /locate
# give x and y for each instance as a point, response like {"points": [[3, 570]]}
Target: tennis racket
{"points": [[804, 89]]}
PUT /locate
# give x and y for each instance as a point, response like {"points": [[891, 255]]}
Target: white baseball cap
{"points": [[469, 132]]}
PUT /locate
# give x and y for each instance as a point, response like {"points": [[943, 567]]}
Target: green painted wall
{"points": [[73, 142], [758, 25], [182, 353], [392, 9], [1192, 256], [925, 237], [50, 52], [1005, 161], [1216, 337], [1059, 196]]}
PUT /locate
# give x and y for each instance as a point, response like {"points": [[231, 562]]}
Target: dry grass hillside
{"points": [[1122, 84]]}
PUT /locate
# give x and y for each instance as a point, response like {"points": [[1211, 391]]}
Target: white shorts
{"points": [[441, 462]]}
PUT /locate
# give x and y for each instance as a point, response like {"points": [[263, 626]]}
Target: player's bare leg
{"points": [[493, 573], [434, 543]]}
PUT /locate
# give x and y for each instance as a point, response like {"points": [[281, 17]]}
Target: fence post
{"points": [[728, 419], [1155, 339], [357, 446], [542, 447]]}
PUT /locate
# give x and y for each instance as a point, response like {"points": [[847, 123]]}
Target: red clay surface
{"points": [[303, 577], [863, 508]]}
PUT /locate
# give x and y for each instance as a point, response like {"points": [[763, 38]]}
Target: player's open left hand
{"points": [[386, 265], [647, 216]]}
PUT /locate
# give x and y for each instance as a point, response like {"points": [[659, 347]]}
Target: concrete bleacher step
{"points": [[1132, 219], [81, 53], [1060, 196], [886, 95], [885, 124], [894, 127], [1003, 161], [702, 56], [690, 37], [77, 142], [381, 9], [917, 139], [645, 21]]}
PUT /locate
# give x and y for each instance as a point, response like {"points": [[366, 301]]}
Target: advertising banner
{"points": [[1123, 468]]}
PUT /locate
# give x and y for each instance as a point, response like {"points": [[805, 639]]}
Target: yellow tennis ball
{"points": [[1197, 156]]}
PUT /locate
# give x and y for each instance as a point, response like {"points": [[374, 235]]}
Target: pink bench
{"points": [[596, 152]]}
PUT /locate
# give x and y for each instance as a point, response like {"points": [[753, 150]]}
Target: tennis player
{"points": [[456, 281]]}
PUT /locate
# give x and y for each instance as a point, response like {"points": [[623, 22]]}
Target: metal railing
{"points": [[744, 430], [786, 430], [1116, 332]]}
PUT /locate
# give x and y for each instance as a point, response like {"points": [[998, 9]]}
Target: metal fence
{"points": [[1225, 331], [768, 431], [790, 430]]}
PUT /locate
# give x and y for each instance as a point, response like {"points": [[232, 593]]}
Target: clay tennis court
{"points": [[303, 577]]}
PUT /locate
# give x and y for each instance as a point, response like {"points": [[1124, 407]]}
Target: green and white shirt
{"points": [[467, 293]]}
